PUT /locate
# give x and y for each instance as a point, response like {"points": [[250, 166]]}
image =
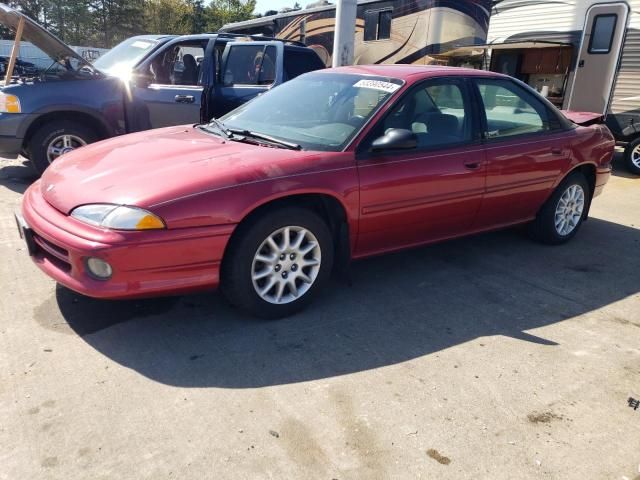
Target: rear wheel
{"points": [[561, 216], [632, 156], [278, 263], [54, 139]]}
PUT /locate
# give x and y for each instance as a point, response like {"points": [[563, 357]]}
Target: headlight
{"points": [[118, 217], [9, 103]]}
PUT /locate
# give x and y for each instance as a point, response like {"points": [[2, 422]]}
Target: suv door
{"points": [[248, 69], [172, 94], [527, 148], [432, 192]]}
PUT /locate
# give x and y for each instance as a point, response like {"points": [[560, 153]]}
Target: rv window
{"points": [[377, 24], [604, 27]]}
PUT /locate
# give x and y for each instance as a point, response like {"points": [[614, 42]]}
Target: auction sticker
{"points": [[378, 85]]}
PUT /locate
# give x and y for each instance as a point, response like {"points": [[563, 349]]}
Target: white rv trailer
{"points": [[583, 54]]}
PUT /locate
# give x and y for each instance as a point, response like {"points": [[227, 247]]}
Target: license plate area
{"points": [[26, 234]]}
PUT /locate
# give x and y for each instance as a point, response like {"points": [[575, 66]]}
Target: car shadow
{"points": [[396, 308], [17, 176]]}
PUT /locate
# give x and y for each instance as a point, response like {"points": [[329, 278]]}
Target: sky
{"points": [[264, 5]]}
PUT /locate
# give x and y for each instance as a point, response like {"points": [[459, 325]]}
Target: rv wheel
{"points": [[632, 156]]}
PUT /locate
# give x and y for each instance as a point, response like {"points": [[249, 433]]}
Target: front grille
{"points": [[55, 254]]}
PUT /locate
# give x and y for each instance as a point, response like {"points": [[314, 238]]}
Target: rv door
{"points": [[602, 40]]}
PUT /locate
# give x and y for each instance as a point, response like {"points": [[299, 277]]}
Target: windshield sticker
{"points": [[378, 85], [141, 44]]}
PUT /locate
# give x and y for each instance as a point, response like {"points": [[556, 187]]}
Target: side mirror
{"points": [[141, 80], [395, 139]]}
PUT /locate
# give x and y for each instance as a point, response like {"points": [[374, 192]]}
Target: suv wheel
{"points": [[632, 156], [561, 216], [278, 263], [54, 139]]}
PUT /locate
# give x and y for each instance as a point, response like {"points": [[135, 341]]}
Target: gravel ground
{"points": [[486, 357]]}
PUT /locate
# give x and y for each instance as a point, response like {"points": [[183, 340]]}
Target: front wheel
{"points": [[632, 156], [56, 138], [561, 216], [278, 263]]}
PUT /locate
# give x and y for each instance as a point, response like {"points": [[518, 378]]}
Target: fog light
{"points": [[99, 268]]}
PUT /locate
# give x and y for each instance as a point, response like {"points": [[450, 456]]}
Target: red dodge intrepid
{"points": [[332, 166]]}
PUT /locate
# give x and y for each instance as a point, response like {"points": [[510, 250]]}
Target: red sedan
{"points": [[332, 166]]}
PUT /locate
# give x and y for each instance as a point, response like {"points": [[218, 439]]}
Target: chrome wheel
{"points": [[635, 156], [569, 210], [286, 264], [63, 144]]}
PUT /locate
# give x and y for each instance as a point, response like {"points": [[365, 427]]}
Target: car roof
{"points": [[413, 72]]}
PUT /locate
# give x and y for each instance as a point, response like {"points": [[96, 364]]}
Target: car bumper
{"points": [[144, 263], [602, 177]]}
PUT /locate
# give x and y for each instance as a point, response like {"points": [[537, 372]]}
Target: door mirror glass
{"points": [[395, 139]]}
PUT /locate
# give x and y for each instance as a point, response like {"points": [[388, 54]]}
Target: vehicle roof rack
{"points": [[258, 38]]}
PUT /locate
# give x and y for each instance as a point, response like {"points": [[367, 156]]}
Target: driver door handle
{"points": [[185, 99]]}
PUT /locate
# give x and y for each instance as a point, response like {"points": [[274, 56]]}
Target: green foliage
{"points": [[104, 23]]}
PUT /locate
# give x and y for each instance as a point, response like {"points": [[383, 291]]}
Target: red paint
{"points": [[203, 187]]}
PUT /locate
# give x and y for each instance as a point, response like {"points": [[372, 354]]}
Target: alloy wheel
{"points": [[63, 144], [286, 265], [569, 210]]}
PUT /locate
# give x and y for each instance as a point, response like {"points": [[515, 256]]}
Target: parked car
{"points": [[21, 68], [145, 82], [335, 165]]}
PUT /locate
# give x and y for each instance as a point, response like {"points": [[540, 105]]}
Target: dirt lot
{"points": [[488, 357]]}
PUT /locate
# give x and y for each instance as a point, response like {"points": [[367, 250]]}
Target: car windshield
{"points": [[318, 111], [124, 56]]}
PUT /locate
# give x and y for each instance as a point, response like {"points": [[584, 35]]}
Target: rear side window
{"points": [[297, 62], [377, 24], [250, 65], [511, 110], [604, 27]]}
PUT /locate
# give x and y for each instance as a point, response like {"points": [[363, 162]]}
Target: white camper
{"points": [[584, 55]]}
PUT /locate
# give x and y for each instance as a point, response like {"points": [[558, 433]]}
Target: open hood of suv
{"points": [[34, 33]]}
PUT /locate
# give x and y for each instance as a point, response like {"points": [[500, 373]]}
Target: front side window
{"points": [[180, 64], [604, 27], [318, 110], [250, 65], [435, 112], [511, 110], [377, 24]]}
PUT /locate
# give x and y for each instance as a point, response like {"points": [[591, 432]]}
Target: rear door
{"points": [[527, 148], [248, 69], [172, 96], [602, 40]]}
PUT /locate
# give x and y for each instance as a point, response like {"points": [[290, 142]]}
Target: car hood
{"points": [[34, 33], [162, 166]]}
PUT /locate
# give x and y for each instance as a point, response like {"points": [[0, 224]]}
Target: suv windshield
{"points": [[318, 111], [124, 56]]}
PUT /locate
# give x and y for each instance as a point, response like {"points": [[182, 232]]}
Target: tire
{"points": [[632, 156], [54, 133], [544, 228], [241, 262]]}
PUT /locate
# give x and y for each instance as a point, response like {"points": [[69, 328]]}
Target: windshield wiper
{"points": [[224, 131], [268, 138]]}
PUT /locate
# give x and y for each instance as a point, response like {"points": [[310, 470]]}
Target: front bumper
{"points": [[144, 263]]}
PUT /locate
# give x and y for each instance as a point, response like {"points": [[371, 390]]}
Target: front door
{"points": [[432, 192], [173, 96], [602, 40], [526, 151]]}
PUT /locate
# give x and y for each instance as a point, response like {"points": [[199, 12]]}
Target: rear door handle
{"points": [[185, 99], [557, 151]]}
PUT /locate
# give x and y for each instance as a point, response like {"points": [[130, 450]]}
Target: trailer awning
{"points": [[473, 50]]}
